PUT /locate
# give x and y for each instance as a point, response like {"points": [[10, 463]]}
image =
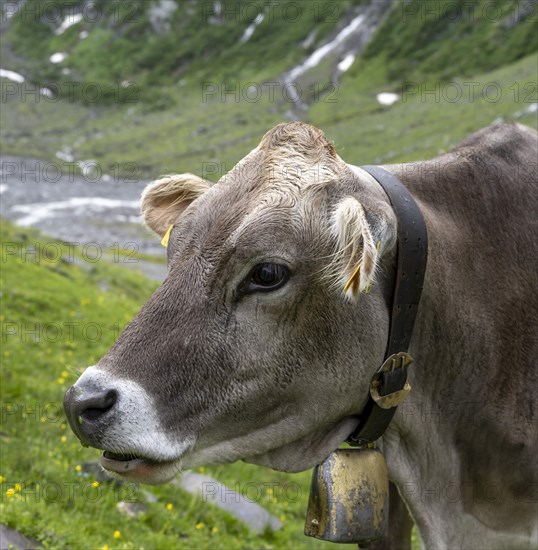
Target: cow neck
{"points": [[389, 386]]}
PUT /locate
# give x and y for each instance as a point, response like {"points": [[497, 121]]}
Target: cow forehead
{"points": [[272, 198], [281, 169], [228, 220]]}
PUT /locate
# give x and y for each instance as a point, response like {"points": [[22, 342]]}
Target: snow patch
{"points": [[69, 21], [89, 168], [3, 188], [318, 55], [387, 98], [83, 34], [57, 57], [532, 108], [346, 63], [66, 154], [309, 40], [10, 9], [251, 28], [217, 18], [12, 75]]}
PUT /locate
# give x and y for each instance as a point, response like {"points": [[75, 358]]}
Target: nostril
{"points": [[91, 414], [94, 406]]}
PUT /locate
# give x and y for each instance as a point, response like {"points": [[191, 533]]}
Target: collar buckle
{"points": [[386, 386]]}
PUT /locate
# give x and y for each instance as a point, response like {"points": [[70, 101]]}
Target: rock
{"points": [[9, 538], [149, 496], [132, 509], [256, 518]]}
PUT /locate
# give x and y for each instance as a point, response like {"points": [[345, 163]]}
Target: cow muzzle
{"points": [[119, 417]]}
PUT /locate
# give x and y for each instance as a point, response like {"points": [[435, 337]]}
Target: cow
{"points": [[255, 348]]}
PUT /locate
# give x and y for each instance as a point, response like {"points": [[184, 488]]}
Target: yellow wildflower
{"points": [[63, 439], [117, 534], [95, 484], [199, 525], [78, 468], [201, 469], [214, 530], [61, 380], [2, 479], [10, 492], [169, 506], [18, 487], [65, 374]]}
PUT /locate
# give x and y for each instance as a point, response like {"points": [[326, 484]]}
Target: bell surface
{"points": [[349, 497]]}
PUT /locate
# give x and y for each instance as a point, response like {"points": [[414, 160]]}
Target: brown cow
{"points": [[251, 349]]}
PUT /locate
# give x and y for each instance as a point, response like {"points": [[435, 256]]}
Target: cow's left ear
{"points": [[362, 238], [164, 200]]}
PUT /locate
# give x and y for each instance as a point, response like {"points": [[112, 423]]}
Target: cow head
{"points": [[250, 349]]}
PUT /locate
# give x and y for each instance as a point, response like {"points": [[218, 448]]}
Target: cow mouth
{"points": [[137, 467], [122, 463]]}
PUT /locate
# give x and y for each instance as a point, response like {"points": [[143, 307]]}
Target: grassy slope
{"points": [[39, 451], [207, 138], [425, 41], [122, 45], [170, 124], [423, 125]]}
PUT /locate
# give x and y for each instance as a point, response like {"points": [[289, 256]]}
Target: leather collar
{"points": [[389, 385]]}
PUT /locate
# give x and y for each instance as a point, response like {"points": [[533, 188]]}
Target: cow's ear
{"points": [[361, 241], [164, 200]]}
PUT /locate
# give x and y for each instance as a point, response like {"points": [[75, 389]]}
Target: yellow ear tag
{"points": [[352, 278], [358, 270], [166, 237]]}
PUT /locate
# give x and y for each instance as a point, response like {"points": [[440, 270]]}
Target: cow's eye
{"points": [[268, 277]]}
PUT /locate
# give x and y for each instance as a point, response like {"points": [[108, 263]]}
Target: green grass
{"points": [[418, 41], [122, 44], [54, 502], [422, 41], [424, 124], [208, 137]]}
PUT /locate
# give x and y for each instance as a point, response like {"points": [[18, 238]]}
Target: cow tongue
{"points": [[120, 463]]}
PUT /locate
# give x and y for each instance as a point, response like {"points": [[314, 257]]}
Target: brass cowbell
{"points": [[349, 497]]}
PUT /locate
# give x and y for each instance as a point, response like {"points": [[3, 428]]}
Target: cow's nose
{"points": [[87, 407]]}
